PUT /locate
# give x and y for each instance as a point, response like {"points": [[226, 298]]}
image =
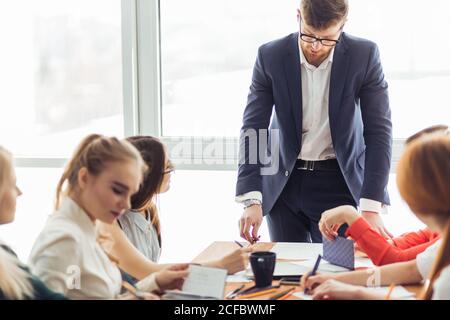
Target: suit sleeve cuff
{"points": [[249, 195], [148, 284], [370, 205]]}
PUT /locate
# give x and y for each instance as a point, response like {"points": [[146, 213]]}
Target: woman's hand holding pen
{"points": [[336, 290], [309, 283]]}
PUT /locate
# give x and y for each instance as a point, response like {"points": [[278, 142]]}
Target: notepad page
{"points": [[204, 281], [297, 250], [399, 292]]}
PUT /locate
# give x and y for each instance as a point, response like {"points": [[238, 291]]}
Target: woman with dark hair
{"points": [[135, 240]]}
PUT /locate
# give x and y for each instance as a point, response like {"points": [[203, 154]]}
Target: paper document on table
{"points": [[204, 282], [297, 250], [363, 263], [240, 276], [284, 269], [324, 266], [399, 292], [302, 295]]}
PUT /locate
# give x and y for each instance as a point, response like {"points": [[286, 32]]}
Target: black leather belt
{"points": [[322, 165]]}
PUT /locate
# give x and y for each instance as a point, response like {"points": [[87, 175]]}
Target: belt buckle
{"points": [[308, 165]]}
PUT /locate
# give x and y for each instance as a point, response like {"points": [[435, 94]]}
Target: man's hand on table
{"points": [[250, 222]]}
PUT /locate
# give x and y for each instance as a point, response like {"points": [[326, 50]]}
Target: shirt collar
{"points": [[138, 219], [323, 65], [70, 209]]}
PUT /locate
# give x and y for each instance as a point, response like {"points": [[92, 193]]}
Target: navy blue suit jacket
{"points": [[359, 113]]}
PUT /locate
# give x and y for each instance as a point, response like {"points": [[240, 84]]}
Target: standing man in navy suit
{"points": [[317, 129]]}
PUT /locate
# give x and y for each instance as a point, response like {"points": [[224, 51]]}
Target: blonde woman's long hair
{"points": [[93, 153], [14, 281], [423, 179]]}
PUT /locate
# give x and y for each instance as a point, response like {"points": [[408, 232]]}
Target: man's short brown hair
{"points": [[321, 14]]}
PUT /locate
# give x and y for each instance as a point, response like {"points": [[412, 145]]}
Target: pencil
{"points": [[257, 294], [281, 294], [233, 293], [287, 295], [388, 295], [132, 289]]}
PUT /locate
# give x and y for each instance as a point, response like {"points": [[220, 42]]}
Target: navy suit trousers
{"points": [[307, 194]]}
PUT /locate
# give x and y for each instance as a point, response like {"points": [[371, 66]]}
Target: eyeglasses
{"points": [[169, 169], [311, 39]]}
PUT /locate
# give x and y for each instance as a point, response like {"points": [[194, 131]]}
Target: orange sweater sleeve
{"points": [[378, 249], [411, 239]]}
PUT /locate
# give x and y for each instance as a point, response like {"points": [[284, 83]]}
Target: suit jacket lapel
{"points": [[338, 77], [293, 78]]}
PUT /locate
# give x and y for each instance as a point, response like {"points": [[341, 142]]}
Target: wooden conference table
{"points": [[220, 248]]}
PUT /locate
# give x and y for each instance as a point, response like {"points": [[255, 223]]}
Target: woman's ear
{"points": [[83, 178], [299, 15]]}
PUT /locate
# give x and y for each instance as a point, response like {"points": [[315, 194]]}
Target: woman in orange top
{"points": [[378, 249]]}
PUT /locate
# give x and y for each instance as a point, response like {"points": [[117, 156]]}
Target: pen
{"points": [[238, 243], [281, 294], [388, 295], [132, 289], [256, 294], [314, 270], [233, 293]]}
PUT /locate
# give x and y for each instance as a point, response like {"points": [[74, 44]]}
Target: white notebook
{"points": [[202, 283]]}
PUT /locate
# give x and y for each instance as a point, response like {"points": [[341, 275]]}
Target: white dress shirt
{"points": [[316, 134], [68, 259], [425, 262]]}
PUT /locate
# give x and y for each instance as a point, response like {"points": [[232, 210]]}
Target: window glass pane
{"points": [[209, 48], [61, 74], [38, 186]]}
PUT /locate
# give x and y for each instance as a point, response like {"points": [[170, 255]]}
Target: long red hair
{"points": [[423, 179]]}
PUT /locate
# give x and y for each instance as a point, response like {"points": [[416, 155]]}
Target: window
{"points": [[208, 49], [61, 74]]}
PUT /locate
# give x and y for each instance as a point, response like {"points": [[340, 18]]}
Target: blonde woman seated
{"points": [[96, 185], [423, 179], [16, 281], [136, 235]]}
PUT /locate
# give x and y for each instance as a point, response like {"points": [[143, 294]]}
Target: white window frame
{"points": [[142, 105]]}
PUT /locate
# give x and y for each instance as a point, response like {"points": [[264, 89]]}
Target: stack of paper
{"points": [[297, 250]]}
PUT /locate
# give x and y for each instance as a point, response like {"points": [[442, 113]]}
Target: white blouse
{"points": [[68, 259], [425, 261]]}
